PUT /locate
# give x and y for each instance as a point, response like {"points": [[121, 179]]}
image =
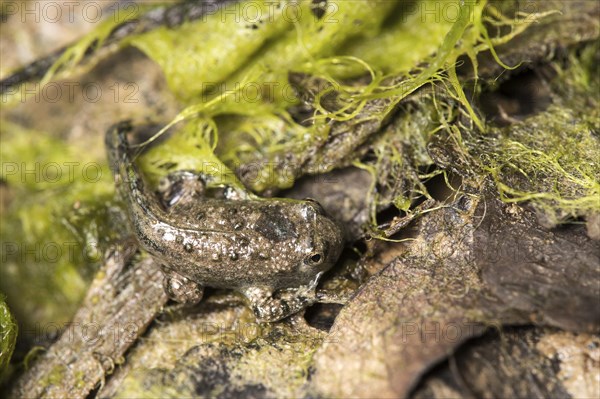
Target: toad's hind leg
{"points": [[181, 289], [180, 187], [186, 186]]}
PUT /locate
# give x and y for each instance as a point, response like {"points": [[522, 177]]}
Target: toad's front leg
{"points": [[268, 308]]}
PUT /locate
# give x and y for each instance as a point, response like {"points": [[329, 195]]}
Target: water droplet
{"points": [[233, 256], [188, 247]]}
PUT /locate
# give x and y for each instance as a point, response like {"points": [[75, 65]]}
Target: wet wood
{"points": [[122, 301]]}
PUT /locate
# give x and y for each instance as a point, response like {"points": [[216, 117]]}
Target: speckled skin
{"points": [[257, 247]]}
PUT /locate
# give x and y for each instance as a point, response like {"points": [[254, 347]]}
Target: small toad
{"points": [[273, 251]]}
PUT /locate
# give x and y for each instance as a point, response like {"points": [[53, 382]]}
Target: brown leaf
{"points": [[472, 265]]}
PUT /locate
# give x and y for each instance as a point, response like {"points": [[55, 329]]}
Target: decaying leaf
{"points": [[518, 362], [471, 265], [551, 275]]}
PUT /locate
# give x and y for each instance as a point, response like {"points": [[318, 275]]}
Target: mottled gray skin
{"points": [[256, 247]]}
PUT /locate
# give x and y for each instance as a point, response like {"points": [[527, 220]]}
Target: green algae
{"points": [[200, 54], [190, 148], [550, 159], [254, 140], [51, 248], [8, 336], [401, 165], [308, 48], [411, 34]]}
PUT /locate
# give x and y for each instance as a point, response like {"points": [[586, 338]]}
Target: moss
{"points": [[549, 160], [239, 359], [51, 248], [8, 336]]}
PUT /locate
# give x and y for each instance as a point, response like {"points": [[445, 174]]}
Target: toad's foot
{"points": [[181, 187], [186, 186], [340, 297], [267, 308], [181, 289]]}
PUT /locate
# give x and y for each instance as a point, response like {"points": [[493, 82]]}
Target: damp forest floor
{"points": [[457, 143]]}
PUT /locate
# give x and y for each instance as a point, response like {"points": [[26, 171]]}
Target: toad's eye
{"points": [[313, 259]]}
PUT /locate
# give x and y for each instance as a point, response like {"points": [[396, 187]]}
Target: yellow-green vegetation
{"points": [[401, 162], [56, 224], [192, 148], [201, 54], [8, 336], [253, 86], [246, 104], [552, 159]]}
